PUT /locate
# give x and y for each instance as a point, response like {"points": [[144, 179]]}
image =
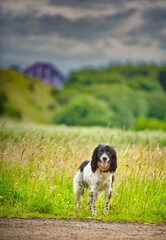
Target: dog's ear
{"points": [[94, 160], [113, 165]]}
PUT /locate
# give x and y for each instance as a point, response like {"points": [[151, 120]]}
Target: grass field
{"points": [[38, 163]]}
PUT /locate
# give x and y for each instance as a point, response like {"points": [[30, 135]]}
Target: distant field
{"points": [[38, 163]]}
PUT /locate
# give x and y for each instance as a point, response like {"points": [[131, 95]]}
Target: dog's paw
{"points": [[105, 210], [94, 213], [78, 205]]}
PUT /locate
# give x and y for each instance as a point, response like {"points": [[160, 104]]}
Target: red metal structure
{"points": [[46, 73]]}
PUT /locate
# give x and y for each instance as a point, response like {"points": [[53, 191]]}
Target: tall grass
{"points": [[38, 163]]}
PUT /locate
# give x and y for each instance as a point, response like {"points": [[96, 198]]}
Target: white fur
{"points": [[104, 155], [96, 182]]}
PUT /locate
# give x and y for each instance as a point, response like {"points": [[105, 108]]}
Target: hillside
{"points": [[120, 96], [25, 98], [130, 97]]}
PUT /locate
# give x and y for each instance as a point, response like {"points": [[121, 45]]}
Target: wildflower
{"points": [[16, 183], [1, 197], [9, 192], [59, 194]]}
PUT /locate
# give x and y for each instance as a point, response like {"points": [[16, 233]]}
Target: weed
{"points": [[38, 163]]}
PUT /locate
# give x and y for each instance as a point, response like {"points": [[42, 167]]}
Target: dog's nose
{"points": [[104, 158]]}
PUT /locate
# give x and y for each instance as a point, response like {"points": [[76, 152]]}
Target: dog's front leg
{"points": [[108, 195], [92, 202]]}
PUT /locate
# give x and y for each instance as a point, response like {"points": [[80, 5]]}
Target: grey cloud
{"points": [[154, 21], [85, 27], [82, 4], [30, 35], [157, 15], [89, 4], [136, 42]]}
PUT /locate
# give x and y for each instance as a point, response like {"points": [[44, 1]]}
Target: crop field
{"points": [[38, 162]]}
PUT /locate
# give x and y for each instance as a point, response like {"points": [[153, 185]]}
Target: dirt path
{"points": [[44, 229]]}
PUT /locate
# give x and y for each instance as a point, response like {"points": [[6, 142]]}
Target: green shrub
{"points": [[31, 87], [131, 92], [54, 91], [72, 80], [150, 123], [144, 83], [13, 112], [84, 111], [122, 117], [124, 103], [162, 78], [51, 107], [3, 101], [156, 105], [66, 96]]}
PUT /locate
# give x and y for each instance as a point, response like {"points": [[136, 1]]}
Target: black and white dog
{"points": [[97, 175]]}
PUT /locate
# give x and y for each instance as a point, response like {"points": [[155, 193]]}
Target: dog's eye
{"points": [[108, 152], [101, 151]]}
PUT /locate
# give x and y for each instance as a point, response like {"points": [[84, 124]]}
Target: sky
{"points": [[75, 34]]}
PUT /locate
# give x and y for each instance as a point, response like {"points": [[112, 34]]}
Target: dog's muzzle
{"points": [[104, 163]]}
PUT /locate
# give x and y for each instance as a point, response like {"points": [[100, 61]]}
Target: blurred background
{"points": [[84, 63]]}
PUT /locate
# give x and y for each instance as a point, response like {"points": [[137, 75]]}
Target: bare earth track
{"points": [[44, 229]]}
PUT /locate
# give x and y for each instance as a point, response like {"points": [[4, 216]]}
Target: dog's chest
{"points": [[98, 180], [102, 180]]}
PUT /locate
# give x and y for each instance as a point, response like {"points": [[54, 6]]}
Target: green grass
{"points": [[38, 163]]}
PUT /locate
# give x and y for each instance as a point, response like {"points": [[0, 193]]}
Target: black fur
{"points": [[112, 180], [113, 165], [95, 158], [81, 168]]}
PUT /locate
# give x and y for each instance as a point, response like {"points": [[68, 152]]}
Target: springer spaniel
{"points": [[97, 175]]}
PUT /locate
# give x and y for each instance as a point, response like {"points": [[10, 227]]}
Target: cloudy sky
{"points": [[73, 34]]}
